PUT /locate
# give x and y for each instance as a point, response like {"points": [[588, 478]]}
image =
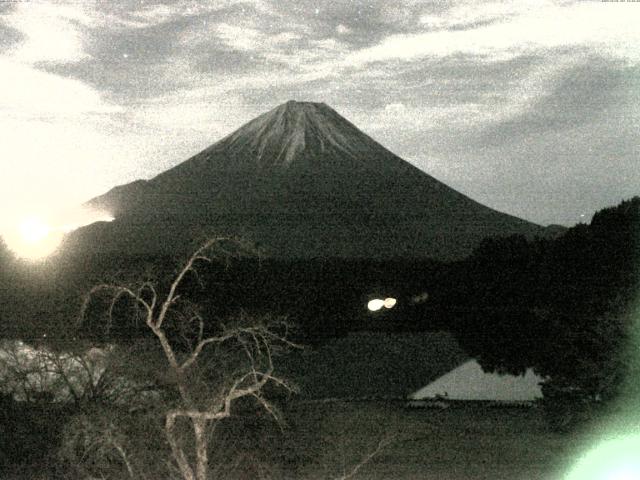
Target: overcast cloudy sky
{"points": [[530, 107]]}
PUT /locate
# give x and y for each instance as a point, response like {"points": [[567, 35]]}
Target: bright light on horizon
{"points": [[71, 226], [33, 230], [377, 304], [35, 237]]}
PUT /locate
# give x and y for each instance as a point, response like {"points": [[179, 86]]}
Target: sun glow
{"points": [[33, 230], [35, 237]]}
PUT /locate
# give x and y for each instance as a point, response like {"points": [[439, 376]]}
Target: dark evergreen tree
{"points": [[563, 306]]}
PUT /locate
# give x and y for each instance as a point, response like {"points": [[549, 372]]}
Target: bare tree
{"points": [[29, 373], [95, 444], [188, 349]]}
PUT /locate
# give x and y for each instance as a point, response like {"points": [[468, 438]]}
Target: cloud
{"points": [[9, 37], [140, 15], [604, 28], [582, 92], [49, 32], [244, 38], [59, 125], [29, 93], [120, 90], [473, 14]]}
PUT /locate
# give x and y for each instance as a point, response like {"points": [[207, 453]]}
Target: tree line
{"points": [[566, 307]]}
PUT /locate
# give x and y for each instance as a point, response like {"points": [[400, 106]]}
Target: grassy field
{"points": [[325, 440], [458, 443]]}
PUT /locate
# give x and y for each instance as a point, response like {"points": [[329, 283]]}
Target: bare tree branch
{"points": [[171, 296], [384, 442], [256, 339]]}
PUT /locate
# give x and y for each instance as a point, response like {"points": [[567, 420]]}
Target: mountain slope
{"points": [[303, 182]]}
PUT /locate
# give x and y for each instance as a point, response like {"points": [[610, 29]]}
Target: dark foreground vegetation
{"points": [[325, 440], [567, 307], [563, 306]]}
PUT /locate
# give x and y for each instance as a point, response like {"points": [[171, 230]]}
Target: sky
{"points": [[529, 107]]}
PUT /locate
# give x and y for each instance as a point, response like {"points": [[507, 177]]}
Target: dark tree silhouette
{"points": [[561, 306]]}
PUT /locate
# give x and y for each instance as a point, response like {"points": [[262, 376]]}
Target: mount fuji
{"points": [[303, 182]]}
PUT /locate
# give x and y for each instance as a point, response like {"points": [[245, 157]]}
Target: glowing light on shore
{"points": [[377, 304]]}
